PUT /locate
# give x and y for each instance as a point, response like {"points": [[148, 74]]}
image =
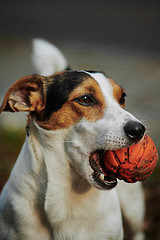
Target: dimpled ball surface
{"points": [[132, 164]]}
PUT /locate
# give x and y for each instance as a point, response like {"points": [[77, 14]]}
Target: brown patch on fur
{"points": [[71, 112], [117, 92], [26, 94]]}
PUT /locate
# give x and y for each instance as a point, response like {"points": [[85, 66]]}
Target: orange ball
{"points": [[133, 164]]}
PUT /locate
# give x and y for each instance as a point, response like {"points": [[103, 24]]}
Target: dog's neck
{"points": [[64, 187], [49, 147]]}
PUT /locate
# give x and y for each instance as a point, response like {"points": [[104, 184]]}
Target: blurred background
{"points": [[121, 38]]}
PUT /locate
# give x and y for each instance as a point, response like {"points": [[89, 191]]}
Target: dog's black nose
{"points": [[134, 130]]}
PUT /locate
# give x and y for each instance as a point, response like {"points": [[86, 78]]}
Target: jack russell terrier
{"points": [[56, 190]]}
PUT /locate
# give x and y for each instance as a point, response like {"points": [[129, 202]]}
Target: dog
{"points": [[57, 188]]}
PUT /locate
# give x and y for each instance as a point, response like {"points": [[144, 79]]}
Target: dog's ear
{"points": [[26, 94]]}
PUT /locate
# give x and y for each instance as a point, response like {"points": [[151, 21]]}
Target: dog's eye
{"points": [[86, 100], [122, 99]]}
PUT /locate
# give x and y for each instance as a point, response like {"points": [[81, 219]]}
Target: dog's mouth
{"points": [[102, 177]]}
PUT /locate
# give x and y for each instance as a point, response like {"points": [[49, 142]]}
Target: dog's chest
{"points": [[94, 219]]}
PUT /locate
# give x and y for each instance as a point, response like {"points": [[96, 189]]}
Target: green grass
{"points": [[10, 145]]}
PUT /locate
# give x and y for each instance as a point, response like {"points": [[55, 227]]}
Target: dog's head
{"points": [[90, 106]]}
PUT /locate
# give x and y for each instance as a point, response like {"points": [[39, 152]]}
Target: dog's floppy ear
{"points": [[26, 94]]}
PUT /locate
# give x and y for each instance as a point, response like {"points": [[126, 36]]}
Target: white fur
{"points": [[82, 214], [132, 201], [74, 212], [47, 58], [110, 129]]}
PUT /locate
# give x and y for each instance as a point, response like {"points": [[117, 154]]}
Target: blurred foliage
{"points": [[10, 145]]}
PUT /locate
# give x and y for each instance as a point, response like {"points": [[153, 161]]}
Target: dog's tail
{"points": [[47, 58]]}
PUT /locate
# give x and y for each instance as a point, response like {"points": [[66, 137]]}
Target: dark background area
{"points": [[134, 23]]}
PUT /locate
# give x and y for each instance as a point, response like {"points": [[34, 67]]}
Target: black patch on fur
{"points": [[59, 88], [91, 71]]}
